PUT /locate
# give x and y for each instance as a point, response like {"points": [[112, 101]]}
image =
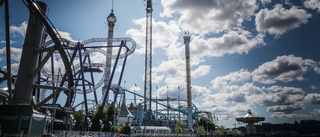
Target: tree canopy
{"points": [[179, 126], [208, 125], [105, 115]]}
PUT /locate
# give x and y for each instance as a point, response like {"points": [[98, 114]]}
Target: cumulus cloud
{"points": [[279, 19], [135, 88], [170, 67], [312, 4], [265, 1], [201, 71], [20, 30], [165, 34], [287, 109], [15, 53], [14, 68], [283, 68], [313, 98], [207, 16], [222, 82], [314, 87], [233, 42], [198, 91], [227, 113], [280, 99], [4, 42]]}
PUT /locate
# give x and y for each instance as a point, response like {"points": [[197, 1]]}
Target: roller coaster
{"points": [[77, 74]]}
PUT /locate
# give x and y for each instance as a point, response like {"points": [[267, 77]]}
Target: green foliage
{"points": [[125, 129], [222, 130], [115, 129], [110, 114], [207, 124], [101, 113], [79, 117], [179, 126], [105, 115], [201, 130]]}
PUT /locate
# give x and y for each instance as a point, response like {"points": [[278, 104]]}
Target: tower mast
{"points": [[186, 42], [148, 58], [111, 22]]}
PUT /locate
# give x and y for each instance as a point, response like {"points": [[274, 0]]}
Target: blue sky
{"points": [[260, 55]]}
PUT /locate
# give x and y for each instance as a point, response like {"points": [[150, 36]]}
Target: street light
{"points": [[89, 123], [71, 123], [110, 123], [101, 125], [48, 128]]}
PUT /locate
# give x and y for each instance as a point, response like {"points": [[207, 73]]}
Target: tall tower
{"points": [[186, 42], [111, 22], [148, 58]]}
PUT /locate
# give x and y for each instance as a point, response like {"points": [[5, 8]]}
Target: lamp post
{"points": [[71, 123], [48, 126], [110, 123], [45, 121], [101, 126], [89, 124]]}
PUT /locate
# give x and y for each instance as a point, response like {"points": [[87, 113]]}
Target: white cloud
{"points": [[4, 42], [21, 29], [313, 98], [207, 16], [283, 68], [170, 68], [313, 4], [228, 113], [163, 34], [314, 87], [198, 91], [287, 109], [279, 20], [15, 53], [233, 42], [223, 82], [14, 68], [280, 99], [265, 1], [156, 79], [135, 88], [201, 71]]}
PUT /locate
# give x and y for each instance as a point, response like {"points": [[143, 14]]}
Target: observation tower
{"points": [[111, 22], [250, 119]]}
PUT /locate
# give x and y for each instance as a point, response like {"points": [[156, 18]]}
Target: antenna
{"points": [[112, 5]]}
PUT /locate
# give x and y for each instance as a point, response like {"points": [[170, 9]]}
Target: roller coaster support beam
{"points": [[119, 83], [8, 50], [28, 60]]}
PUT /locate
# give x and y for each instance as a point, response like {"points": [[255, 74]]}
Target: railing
{"points": [[61, 133]]}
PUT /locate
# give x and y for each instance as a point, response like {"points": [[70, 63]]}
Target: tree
{"points": [[125, 129], [79, 117], [100, 114], [179, 126], [201, 130], [222, 130], [207, 124], [110, 113]]}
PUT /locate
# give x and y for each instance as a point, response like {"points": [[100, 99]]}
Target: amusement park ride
{"points": [[39, 83]]}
